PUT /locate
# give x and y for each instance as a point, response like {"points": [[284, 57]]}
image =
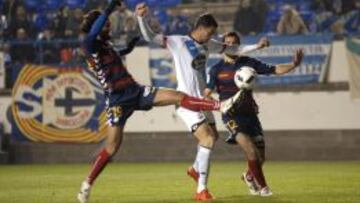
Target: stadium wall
{"points": [[300, 125]]}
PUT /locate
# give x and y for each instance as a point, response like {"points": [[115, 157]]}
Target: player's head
{"points": [[231, 38], [88, 21], [205, 27]]}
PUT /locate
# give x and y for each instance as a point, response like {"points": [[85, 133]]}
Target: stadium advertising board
{"points": [[57, 104], [317, 50]]}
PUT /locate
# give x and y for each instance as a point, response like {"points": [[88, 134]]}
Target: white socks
{"points": [[201, 165]]}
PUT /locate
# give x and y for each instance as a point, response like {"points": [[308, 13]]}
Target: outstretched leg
{"points": [[165, 97]]}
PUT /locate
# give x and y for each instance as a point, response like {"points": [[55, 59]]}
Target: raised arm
{"points": [[98, 25], [146, 30], [281, 69], [220, 47]]}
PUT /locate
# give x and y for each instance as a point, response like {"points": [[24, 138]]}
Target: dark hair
{"points": [[233, 34], [88, 20], [206, 20]]}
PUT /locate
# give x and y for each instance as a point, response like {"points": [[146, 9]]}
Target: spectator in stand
{"points": [[338, 7], [49, 52], [291, 22], [3, 28], [74, 19], [9, 8], [339, 16], [21, 20], [118, 23], [58, 24], [95, 4], [22, 51], [250, 17], [131, 29]]}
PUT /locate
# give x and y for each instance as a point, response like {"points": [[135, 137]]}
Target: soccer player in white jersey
{"points": [[190, 54]]}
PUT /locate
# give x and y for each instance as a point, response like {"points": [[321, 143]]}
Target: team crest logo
{"points": [[57, 105]]}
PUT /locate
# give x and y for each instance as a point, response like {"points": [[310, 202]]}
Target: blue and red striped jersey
{"points": [[221, 78], [106, 63]]}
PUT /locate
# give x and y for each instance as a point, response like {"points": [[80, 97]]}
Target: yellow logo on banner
{"points": [[57, 105]]}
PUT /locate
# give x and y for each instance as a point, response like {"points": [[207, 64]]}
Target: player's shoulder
{"points": [[218, 64]]}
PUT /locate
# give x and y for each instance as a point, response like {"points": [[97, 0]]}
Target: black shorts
{"points": [[118, 111], [248, 124]]}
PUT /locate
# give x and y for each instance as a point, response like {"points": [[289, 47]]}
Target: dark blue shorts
{"points": [[248, 124], [119, 109]]}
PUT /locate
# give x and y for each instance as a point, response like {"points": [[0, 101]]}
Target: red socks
{"points": [[257, 173], [101, 161], [197, 104]]}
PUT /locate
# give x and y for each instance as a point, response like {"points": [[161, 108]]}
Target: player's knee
{"points": [[112, 147], [207, 141], [251, 153], [180, 96]]}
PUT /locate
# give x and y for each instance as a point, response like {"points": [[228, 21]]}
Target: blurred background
{"points": [[51, 108]]}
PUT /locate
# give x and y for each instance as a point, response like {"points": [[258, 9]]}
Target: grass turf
{"points": [[293, 182]]}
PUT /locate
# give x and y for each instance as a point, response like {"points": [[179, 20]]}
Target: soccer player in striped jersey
{"points": [[190, 53], [122, 93], [243, 124]]}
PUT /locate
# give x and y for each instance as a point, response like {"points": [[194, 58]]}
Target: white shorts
{"points": [[193, 118]]}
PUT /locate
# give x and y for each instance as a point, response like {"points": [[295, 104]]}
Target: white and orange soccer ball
{"points": [[245, 77]]}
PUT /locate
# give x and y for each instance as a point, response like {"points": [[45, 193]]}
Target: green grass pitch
{"points": [[293, 182]]}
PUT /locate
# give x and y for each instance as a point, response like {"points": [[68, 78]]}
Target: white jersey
{"points": [[190, 63]]}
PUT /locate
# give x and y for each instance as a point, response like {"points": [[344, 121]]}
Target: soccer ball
{"points": [[244, 78]]}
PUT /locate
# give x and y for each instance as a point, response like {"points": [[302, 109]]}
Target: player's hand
{"points": [[263, 42], [298, 57], [141, 9]]}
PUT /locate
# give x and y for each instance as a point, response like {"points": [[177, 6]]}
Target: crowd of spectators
{"points": [[22, 23], [49, 33], [292, 17]]}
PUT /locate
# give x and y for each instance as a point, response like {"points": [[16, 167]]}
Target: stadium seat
{"points": [[161, 16], [41, 22], [32, 5], [170, 3], [72, 4], [54, 4], [153, 3], [132, 3]]}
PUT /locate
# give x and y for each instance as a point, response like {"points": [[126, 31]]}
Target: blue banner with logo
{"points": [[57, 104], [317, 49]]}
